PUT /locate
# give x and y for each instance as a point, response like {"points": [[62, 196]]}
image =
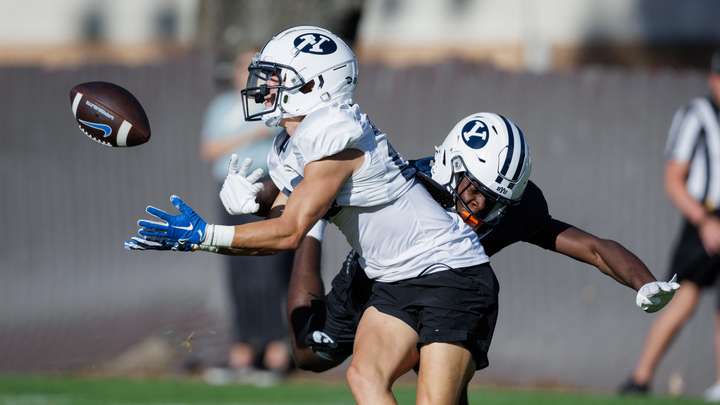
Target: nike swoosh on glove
{"points": [[239, 190], [180, 231], [652, 297]]}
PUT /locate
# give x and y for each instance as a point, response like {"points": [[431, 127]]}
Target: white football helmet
{"points": [[491, 151], [297, 72]]}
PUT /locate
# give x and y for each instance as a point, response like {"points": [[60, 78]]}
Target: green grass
{"points": [[36, 390]]}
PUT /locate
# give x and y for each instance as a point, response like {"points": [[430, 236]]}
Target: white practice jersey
{"points": [[395, 225]]}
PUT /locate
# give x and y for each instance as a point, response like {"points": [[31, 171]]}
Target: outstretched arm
{"points": [[608, 256], [613, 259], [309, 202]]}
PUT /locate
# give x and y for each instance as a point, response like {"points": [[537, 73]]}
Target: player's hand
{"points": [[239, 189], [323, 345], [710, 235], [138, 243], [652, 297], [180, 231]]}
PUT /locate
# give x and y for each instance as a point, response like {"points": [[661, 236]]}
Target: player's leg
{"points": [[456, 329], [463, 400], [445, 369], [664, 329], [385, 349]]}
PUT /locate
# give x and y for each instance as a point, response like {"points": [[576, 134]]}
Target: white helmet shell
{"points": [[489, 148], [314, 67]]}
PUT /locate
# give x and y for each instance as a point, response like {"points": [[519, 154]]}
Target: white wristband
{"points": [[318, 230], [219, 236]]}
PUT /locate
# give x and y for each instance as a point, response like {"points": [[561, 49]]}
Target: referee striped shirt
{"points": [[695, 139]]}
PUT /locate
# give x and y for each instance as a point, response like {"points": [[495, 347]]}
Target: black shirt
{"points": [[529, 221]]}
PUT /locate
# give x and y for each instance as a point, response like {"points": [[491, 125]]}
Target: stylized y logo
{"points": [[475, 134], [317, 44], [107, 130]]}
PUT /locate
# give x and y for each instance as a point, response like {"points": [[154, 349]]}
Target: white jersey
{"points": [[390, 220]]}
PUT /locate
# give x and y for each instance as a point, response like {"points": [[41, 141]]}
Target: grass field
{"points": [[35, 390]]}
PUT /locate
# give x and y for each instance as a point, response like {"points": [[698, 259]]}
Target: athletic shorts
{"points": [[690, 261], [453, 306]]}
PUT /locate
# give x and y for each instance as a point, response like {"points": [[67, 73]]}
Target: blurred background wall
{"points": [[593, 85]]}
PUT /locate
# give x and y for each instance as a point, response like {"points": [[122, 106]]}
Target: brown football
{"points": [[109, 114]]}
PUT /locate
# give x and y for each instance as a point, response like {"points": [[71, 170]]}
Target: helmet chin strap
{"points": [[273, 120]]}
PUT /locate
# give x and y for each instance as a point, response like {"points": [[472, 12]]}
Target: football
{"points": [[109, 114]]}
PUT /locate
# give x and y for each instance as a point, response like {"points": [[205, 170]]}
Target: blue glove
{"points": [[138, 243], [179, 231]]}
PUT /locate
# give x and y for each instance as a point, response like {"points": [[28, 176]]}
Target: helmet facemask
{"points": [[486, 218], [269, 79]]}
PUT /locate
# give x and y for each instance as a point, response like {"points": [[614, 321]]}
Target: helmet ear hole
{"points": [[307, 87]]}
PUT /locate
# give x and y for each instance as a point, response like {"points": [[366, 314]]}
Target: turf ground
{"points": [[35, 390]]}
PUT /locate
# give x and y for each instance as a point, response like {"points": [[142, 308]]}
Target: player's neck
{"points": [[291, 124]]}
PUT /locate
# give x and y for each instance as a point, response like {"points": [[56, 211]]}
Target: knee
{"points": [[427, 397], [363, 379], [430, 396]]}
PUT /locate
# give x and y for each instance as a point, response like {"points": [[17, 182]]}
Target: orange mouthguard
{"points": [[469, 218]]}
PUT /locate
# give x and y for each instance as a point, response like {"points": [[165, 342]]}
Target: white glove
{"points": [[238, 191], [652, 297]]}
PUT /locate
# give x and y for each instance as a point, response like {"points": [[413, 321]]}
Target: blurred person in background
{"points": [[692, 182], [256, 293]]}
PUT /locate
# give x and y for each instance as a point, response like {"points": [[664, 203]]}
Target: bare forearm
{"points": [[675, 187], [688, 206], [621, 264], [274, 234], [235, 252], [606, 255]]}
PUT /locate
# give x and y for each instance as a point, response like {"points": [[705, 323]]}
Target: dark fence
{"points": [[72, 298]]}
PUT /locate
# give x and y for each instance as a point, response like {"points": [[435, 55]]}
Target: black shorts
{"points": [[453, 306], [690, 261]]}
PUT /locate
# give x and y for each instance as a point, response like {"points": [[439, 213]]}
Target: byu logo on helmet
{"points": [[475, 134], [314, 43]]}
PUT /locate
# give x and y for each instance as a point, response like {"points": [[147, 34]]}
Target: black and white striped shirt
{"points": [[695, 138]]}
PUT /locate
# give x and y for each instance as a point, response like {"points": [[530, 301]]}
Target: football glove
{"points": [[239, 189], [138, 243], [180, 231], [325, 346], [652, 297]]}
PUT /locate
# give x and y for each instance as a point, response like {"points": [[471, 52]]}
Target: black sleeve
{"points": [[546, 236], [541, 228]]}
